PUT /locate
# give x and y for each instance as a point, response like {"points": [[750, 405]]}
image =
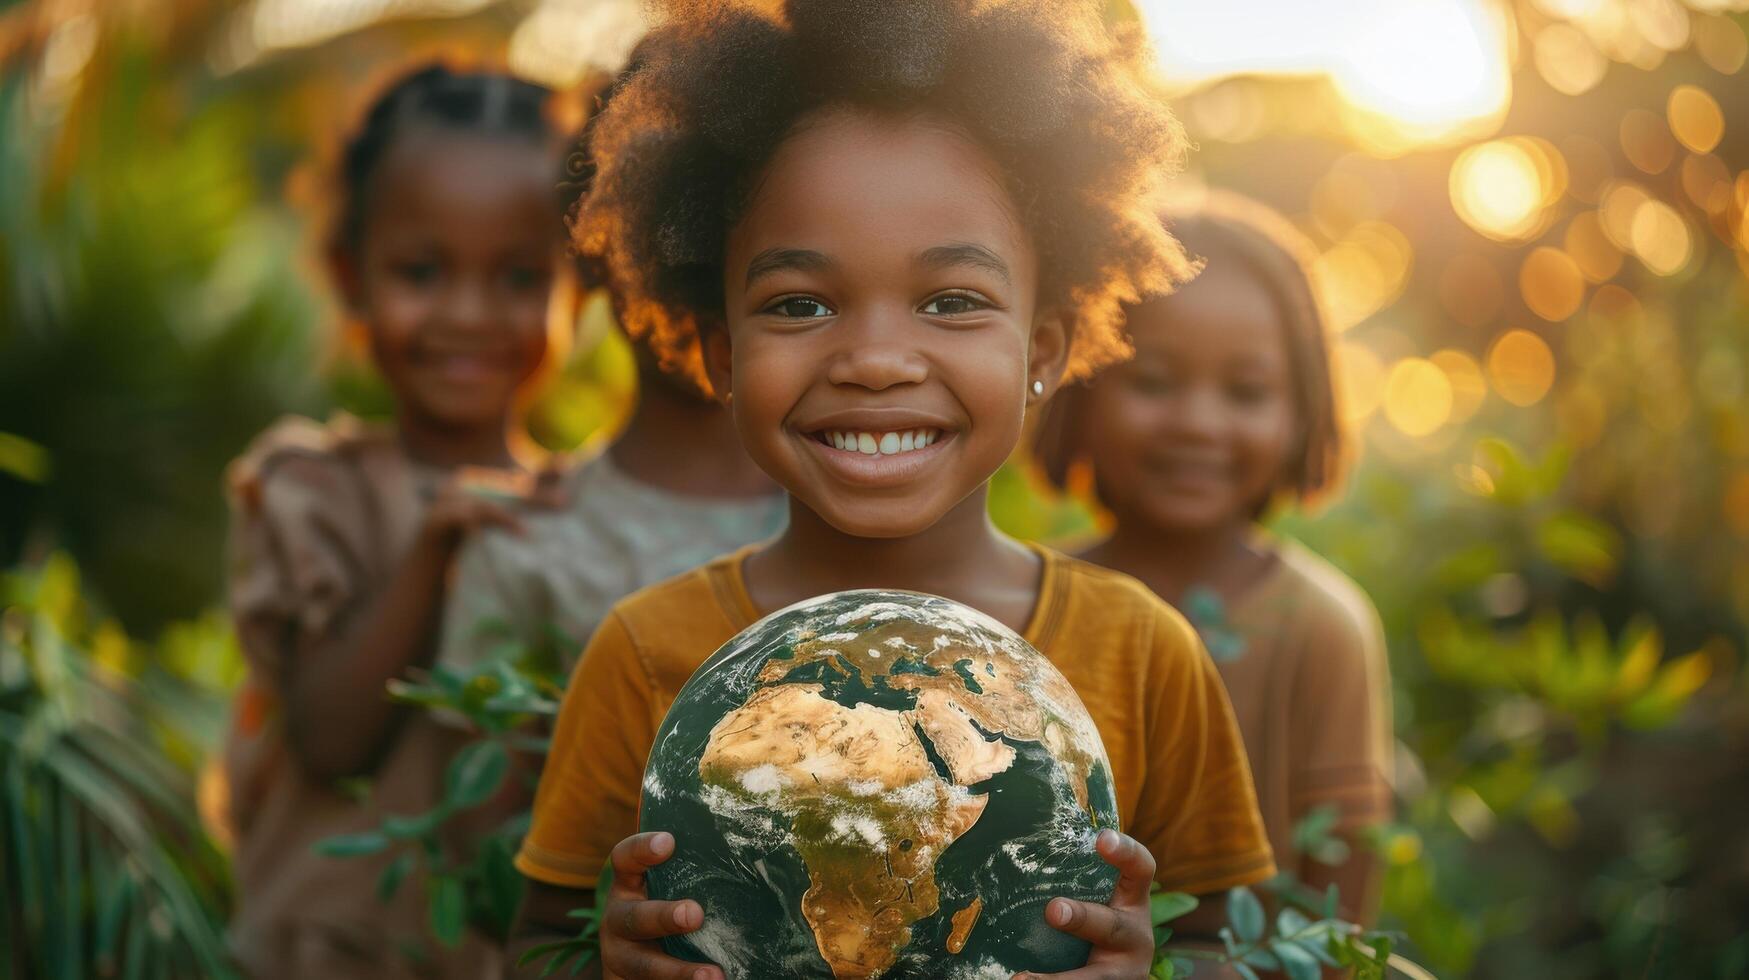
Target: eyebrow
{"points": [[966, 254], [779, 259]]}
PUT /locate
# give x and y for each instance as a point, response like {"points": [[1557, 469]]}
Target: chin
{"points": [[889, 521]]}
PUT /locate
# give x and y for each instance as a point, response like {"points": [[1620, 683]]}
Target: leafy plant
{"points": [[502, 700], [106, 867]]}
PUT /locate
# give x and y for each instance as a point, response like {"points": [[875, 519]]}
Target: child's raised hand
{"points": [[1121, 932], [476, 497], [632, 924]]}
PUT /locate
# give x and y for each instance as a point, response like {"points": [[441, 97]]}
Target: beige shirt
{"points": [[1304, 662], [552, 585], [321, 517]]}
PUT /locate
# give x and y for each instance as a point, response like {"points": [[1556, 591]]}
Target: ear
{"points": [[1047, 354], [719, 358]]}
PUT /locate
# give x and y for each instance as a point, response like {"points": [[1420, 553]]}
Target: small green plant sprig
{"points": [[505, 702]]}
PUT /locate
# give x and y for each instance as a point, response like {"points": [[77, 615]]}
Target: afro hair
{"points": [[1059, 100]]}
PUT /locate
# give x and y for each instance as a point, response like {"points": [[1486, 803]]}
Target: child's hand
{"points": [[1121, 933], [476, 497], [632, 924]]}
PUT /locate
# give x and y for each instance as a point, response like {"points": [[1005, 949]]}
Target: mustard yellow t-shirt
{"points": [[1183, 786]]}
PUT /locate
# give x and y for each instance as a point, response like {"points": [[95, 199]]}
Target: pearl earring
{"points": [[1038, 388]]}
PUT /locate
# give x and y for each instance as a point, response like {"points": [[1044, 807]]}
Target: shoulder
{"points": [[299, 459], [1330, 602], [674, 626], [1099, 603]]}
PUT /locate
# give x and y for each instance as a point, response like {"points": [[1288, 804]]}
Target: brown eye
{"points": [[953, 304], [800, 308]]}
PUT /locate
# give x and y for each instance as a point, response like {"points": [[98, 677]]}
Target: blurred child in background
{"points": [[673, 490], [445, 253], [1225, 412]]}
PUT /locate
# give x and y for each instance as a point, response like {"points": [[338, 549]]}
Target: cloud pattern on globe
{"points": [[879, 784]]}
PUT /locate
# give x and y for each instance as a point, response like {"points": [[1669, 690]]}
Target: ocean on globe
{"points": [[879, 784]]}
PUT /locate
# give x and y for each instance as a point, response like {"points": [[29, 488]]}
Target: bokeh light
{"points": [[1646, 141], [1360, 374], [1695, 118], [1552, 283], [1469, 388], [1567, 59], [1362, 273], [1720, 42], [1418, 396], [1660, 238], [1597, 257], [1521, 367], [1503, 188]]}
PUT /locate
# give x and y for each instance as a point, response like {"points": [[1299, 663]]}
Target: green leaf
{"points": [[23, 459], [1262, 959], [407, 827], [389, 882], [448, 909], [1244, 971], [1291, 922], [353, 845], [1245, 912], [1163, 907], [1581, 546], [1299, 964], [475, 774]]}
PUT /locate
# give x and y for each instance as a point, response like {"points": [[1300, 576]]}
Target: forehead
{"points": [[501, 184], [1226, 309], [865, 180]]}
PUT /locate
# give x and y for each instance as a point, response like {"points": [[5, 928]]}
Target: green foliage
{"points": [[104, 862], [1301, 941]]}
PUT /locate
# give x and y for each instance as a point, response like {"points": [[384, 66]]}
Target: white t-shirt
{"points": [[556, 582]]}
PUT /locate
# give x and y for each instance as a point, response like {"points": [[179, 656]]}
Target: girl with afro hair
{"points": [[884, 231]]}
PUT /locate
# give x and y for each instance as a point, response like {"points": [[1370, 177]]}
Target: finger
{"points": [[643, 920], [1135, 868], [1103, 926], [482, 513], [637, 854], [648, 961]]}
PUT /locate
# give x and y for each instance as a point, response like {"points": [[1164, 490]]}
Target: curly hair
{"points": [[1232, 230], [1060, 102]]}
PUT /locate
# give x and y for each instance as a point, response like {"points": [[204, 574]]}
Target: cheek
{"points": [[1265, 438]]}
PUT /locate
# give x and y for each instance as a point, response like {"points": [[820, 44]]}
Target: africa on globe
{"points": [[879, 784]]}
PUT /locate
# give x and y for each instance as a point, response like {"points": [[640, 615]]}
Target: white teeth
{"points": [[881, 443]]}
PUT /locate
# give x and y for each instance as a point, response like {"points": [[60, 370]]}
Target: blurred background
{"points": [[1533, 218]]}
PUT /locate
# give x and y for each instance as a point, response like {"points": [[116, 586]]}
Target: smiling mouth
{"points": [[870, 443]]}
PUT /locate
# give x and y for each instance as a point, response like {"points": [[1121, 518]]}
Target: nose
{"points": [[468, 306], [877, 352], [1196, 413]]}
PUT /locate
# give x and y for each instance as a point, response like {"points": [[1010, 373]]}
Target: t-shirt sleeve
{"points": [[295, 572], [1198, 810], [588, 796], [1341, 723]]}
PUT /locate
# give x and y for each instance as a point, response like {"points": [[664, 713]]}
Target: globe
{"points": [[879, 784]]}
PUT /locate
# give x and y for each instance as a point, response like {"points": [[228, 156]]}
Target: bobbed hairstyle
{"points": [[1226, 229], [1059, 101], [431, 96]]}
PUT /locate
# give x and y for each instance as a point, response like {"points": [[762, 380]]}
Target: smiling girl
{"points": [[1226, 412], [874, 216], [444, 253]]}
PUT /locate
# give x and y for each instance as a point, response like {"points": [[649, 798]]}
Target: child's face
{"points": [[882, 322], [455, 270], [1193, 433]]}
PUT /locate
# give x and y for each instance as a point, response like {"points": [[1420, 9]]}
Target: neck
{"points": [[440, 444], [1171, 560], [686, 445], [941, 559]]}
